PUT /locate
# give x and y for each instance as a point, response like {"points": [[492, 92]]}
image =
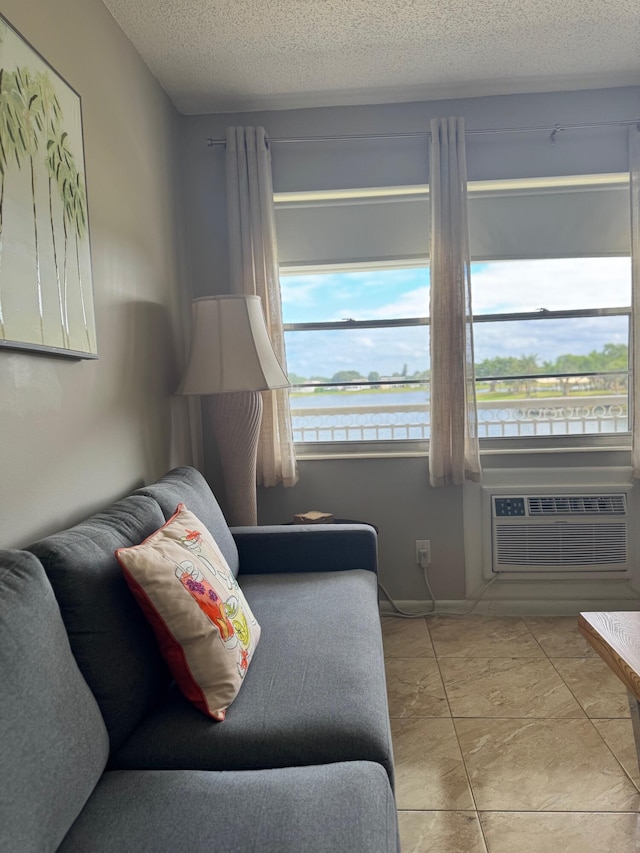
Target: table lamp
{"points": [[232, 359]]}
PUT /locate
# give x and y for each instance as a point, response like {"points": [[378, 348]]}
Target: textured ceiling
{"points": [[232, 55]]}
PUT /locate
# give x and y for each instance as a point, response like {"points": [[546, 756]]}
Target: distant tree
{"points": [[611, 357], [616, 356], [498, 366], [346, 376], [294, 379], [422, 374], [528, 364], [404, 370], [374, 376], [569, 363]]}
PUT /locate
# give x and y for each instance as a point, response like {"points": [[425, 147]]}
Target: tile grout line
{"points": [[593, 725], [475, 810], [568, 686], [585, 714], [455, 732], [478, 812]]}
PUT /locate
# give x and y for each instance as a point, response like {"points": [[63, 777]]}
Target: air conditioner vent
{"points": [[552, 505], [560, 546]]}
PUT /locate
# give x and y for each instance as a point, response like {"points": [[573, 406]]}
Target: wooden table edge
{"points": [[623, 660]]}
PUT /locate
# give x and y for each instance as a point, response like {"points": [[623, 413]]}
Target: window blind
{"points": [[508, 220]]}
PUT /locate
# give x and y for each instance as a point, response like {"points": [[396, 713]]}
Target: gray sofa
{"points": [[101, 752]]}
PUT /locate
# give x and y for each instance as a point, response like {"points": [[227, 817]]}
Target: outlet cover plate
{"points": [[423, 545]]}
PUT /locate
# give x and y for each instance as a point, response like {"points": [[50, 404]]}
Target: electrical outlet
{"points": [[425, 546]]}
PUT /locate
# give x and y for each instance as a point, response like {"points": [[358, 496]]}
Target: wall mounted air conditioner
{"points": [[548, 531]]}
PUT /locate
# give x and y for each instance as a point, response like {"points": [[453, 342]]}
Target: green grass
{"points": [[482, 395], [543, 395]]}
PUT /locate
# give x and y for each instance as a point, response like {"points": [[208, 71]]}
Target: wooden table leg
{"points": [[634, 707]]}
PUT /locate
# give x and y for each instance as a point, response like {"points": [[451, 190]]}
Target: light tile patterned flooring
{"points": [[510, 735]]}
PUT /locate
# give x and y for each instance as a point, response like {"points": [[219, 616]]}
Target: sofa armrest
{"points": [[306, 548]]}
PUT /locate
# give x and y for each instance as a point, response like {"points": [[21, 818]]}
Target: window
{"points": [[551, 346], [551, 281], [357, 346]]}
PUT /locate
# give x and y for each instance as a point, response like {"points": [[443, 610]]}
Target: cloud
{"points": [[500, 286], [365, 295], [300, 292], [548, 339], [383, 350], [414, 303], [557, 285]]}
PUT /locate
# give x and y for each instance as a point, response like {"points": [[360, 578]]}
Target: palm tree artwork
{"points": [[7, 137], [46, 299]]}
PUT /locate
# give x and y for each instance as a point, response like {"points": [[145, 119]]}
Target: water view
{"points": [[550, 349], [397, 415]]}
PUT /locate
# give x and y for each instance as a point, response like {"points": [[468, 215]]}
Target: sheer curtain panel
{"points": [[253, 258], [634, 174], [453, 447]]}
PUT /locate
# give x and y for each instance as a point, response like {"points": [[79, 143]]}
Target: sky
{"points": [[497, 286]]}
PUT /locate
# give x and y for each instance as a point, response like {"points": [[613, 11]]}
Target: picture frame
{"points": [[46, 287]]}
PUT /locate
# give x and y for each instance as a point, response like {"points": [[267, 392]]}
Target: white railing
{"points": [[496, 419]]}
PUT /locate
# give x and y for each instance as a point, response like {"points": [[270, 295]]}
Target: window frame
{"points": [[579, 442], [420, 447], [355, 448]]}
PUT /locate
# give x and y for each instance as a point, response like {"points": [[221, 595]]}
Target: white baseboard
{"points": [[512, 607], [508, 597]]}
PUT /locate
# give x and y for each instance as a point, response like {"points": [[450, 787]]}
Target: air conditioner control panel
{"points": [[507, 507]]}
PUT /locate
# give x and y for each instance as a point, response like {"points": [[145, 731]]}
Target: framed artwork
{"points": [[46, 292]]}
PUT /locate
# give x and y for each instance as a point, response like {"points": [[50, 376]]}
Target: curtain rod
{"points": [[422, 134]]}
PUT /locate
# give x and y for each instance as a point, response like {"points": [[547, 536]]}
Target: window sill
{"points": [[488, 448], [362, 450]]}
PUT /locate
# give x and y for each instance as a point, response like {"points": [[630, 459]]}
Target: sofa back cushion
{"points": [[187, 486], [109, 635], [54, 741]]}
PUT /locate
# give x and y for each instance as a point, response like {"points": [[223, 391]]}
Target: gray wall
{"points": [[393, 493], [76, 434]]}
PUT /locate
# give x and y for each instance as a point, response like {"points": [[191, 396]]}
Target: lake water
{"points": [[364, 417], [362, 399]]}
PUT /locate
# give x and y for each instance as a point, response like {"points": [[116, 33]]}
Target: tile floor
{"points": [[510, 735]]}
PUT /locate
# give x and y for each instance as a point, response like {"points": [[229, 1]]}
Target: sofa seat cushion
{"points": [[315, 809], [54, 744], [314, 693], [114, 645]]}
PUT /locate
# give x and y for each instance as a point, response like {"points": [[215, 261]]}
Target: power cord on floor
{"points": [[423, 557]]}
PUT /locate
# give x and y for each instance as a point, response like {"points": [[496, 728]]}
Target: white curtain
{"points": [[634, 173], [453, 446], [254, 271]]}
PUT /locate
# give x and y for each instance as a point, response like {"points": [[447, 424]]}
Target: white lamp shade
{"points": [[230, 348]]}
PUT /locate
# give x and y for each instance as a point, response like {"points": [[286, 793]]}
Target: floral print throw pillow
{"points": [[204, 626]]}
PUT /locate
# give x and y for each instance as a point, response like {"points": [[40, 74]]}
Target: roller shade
{"points": [[563, 222], [349, 230], [539, 218]]}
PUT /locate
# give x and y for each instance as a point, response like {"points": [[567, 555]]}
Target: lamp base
{"points": [[235, 419]]}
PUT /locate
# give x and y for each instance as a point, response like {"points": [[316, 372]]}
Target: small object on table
{"points": [[313, 517]]}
